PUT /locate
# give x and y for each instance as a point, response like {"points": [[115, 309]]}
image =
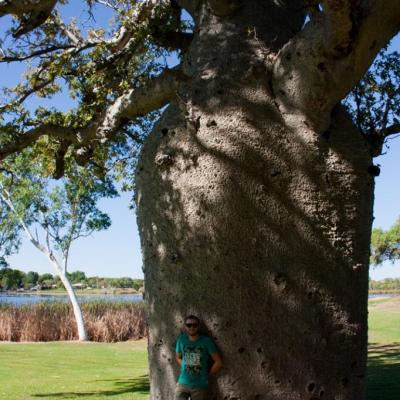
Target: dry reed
{"points": [[49, 321]]}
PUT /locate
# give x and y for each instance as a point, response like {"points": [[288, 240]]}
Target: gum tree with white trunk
{"points": [[254, 190], [52, 219]]}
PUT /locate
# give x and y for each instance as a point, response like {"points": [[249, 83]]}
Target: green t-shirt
{"points": [[195, 359]]}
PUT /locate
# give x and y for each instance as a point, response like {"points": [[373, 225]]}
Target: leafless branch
{"points": [[30, 137], [390, 130], [19, 100], [157, 92], [37, 53], [330, 55], [73, 35], [31, 13], [139, 102]]}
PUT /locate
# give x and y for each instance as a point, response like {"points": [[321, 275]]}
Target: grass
{"points": [[384, 320], [118, 371], [70, 370], [384, 349]]}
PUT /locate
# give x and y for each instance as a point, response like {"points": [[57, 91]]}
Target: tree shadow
{"points": [[139, 385], [383, 372]]}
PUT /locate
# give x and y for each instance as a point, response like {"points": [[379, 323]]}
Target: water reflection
{"points": [[23, 299]]}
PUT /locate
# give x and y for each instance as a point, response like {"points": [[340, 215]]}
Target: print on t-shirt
{"points": [[193, 359]]}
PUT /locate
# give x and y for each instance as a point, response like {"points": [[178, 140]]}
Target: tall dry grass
{"points": [[49, 321]]}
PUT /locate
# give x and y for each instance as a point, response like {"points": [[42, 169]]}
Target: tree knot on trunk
{"points": [[164, 160], [280, 281], [374, 170], [175, 258]]}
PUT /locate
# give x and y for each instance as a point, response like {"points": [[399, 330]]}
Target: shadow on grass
{"points": [[383, 378], [383, 371], [138, 385]]}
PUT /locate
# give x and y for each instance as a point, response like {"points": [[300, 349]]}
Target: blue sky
{"points": [[116, 252]]}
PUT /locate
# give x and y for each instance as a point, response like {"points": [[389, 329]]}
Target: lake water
{"points": [[22, 299], [380, 295]]}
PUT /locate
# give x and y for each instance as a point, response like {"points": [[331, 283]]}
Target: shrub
{"points": [[50, 321]]}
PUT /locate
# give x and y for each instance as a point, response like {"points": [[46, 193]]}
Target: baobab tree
{"points": [[254, 190]]}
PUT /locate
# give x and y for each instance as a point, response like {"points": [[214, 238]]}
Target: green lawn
{"points": [[70, 370], [384, 349]]}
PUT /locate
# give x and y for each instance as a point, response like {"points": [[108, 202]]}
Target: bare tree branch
{"points": [[74, 36], [327, 58], [6, 197], [31, 13], [30, 137], [139, 102], [390, 130], [135, 103], [37, 53], [19, 100], [377, 139]]}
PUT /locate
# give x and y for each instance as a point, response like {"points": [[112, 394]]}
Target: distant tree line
{"points": [[387, 284], [385, 244], [14, 279]]}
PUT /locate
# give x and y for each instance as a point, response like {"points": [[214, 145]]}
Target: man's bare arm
{"points": [[178, 358], [216, 367]]}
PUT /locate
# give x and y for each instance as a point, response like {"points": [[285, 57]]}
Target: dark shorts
{"points": [[183, 392]]}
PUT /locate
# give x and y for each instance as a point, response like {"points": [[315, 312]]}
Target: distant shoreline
{"points": [[78, 292], [117, 291], [390, 291]]}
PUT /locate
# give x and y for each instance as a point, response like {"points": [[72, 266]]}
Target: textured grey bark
{"points": [[256, 215]]}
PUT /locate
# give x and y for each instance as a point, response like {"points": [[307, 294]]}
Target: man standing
{"points": [[193, 354]]}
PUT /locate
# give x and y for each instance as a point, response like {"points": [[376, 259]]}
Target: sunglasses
{"points": [[195, 325]]}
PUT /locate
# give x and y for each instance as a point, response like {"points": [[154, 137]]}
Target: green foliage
{"points": [[63, 210], [78, 60], [9, 235], [31, 278], [13, 279], [387, 284], [45, 278], [376, 98], [374, 102], [77, 277], [385, 245]]}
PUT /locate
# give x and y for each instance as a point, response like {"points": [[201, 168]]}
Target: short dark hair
{"points": [[193, 317]]}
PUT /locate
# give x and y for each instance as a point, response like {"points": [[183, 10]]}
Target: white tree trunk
{"points": [[80, 324], [61, 272]]}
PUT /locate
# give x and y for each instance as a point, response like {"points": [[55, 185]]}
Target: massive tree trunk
{"points": [[255, 189], [257, 222]]}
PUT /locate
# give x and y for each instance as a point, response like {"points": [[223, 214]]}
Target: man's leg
{"points": [[198, 393], [182, 392]]}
